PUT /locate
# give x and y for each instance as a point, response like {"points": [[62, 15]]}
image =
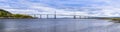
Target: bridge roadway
{"points": [[57, 16]]}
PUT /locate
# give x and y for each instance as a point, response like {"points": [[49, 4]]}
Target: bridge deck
{"points": [[57, 16]]}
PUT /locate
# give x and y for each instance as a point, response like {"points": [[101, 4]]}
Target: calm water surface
{"points": [[58, 25]]}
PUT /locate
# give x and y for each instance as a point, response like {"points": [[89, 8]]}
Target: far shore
{"points": [[16, 18]]}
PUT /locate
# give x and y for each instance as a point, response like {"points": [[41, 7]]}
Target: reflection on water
{"points": [[2, 26], [58, 25]]}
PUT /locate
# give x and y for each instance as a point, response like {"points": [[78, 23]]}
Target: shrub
{"points": [[21, 16]]}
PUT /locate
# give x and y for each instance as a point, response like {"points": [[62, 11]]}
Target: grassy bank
{"points": [[117, 20], [6, 14]]}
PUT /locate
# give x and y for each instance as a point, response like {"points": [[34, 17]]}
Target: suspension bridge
{"points": [[55, 16]]}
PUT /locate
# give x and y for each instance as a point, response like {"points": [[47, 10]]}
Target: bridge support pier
{"points": [[55, 16], [74, 16], [47, 16], [40, 16]]}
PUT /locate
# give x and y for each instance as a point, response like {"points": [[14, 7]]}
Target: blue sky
{"points": [[104, 8]]}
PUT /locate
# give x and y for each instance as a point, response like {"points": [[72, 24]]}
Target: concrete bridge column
{"points": [[40, 16], [55, 16], [47, 16], [74, 16]]}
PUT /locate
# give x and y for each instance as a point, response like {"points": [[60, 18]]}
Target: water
{"points": [[58, 25]]}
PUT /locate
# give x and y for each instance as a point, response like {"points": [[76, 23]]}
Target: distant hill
{"points": [[6, 14]]}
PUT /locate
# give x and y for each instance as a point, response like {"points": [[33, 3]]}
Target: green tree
{"points": [[4, 13], [21, 16]]}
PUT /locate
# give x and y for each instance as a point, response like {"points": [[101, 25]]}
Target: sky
{"points": [[98, 8]]}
